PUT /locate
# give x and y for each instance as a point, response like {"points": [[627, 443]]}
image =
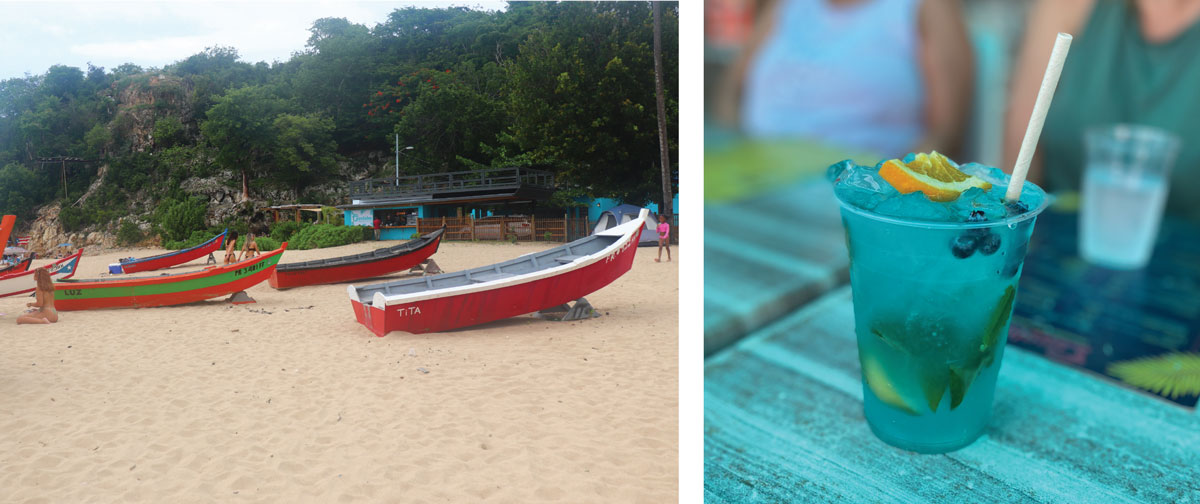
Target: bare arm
{"points": [[1045, 19], [948, 69], [728, 99], [38, 299]]}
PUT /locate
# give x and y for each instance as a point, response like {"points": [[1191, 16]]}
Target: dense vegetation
{"points": [[567, 87]]}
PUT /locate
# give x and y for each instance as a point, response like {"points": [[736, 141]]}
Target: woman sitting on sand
{"points": [[250, 248], [231, 249], [42, 310]]}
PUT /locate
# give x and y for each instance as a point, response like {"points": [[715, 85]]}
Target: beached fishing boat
{"points": [[527, 284], [138, 265], [6, 227], [24, 283], [165, 289], [19, 267], [358, 266]]}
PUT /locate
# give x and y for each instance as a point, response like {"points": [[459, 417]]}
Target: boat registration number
{"points": [[250, 269]]}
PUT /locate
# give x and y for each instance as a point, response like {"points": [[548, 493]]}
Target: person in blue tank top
{"points": [[883, 76], [1131, 61]]}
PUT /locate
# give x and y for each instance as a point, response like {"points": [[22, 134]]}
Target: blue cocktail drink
{"points": [[934, 283]]}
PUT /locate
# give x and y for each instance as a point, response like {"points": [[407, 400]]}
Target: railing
{"points": [[562, 229], [427, 185]]}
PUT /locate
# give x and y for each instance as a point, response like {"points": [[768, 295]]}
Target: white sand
{"points": [[291, 400]]}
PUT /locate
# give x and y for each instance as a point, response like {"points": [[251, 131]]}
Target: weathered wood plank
{"points": [[767, 256], [783, 422]]}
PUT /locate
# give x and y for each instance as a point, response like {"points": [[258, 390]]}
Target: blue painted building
{"points": [[398, 203]]}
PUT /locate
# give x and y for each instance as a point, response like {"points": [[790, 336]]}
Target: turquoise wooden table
{"points": [[783, 422], [773, 236], [767, 256]]}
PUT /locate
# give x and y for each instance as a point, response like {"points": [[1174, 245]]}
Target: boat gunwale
{"points": [[624, 237], [207, 271], [139, 260], [421, 242]]}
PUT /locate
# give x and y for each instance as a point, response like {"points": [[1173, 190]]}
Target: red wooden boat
{"points": [[359, 266], [132, 265], [523, 285], [19, 267], [165, 289], [6, 227], [24, 283]]}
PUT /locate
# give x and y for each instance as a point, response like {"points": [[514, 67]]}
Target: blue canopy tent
{"points": [[621, 214]]}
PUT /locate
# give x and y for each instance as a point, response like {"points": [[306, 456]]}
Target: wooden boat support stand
{"points": [[527, 284]]}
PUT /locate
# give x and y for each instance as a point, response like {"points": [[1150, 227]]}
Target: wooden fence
{"points": [[562, 229], [546, 229]]}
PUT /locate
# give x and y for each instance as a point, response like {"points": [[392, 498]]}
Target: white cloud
{"points": [[37, 35]]}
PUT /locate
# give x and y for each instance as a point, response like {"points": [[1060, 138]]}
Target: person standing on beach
{"points": [[664, 238], [42, 310], [377, 230], [231, 249], [250, 248]]}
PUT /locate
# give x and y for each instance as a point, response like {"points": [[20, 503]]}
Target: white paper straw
{"points": [[1062, 44]]}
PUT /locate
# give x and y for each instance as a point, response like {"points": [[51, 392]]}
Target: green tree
{"points": [[581, 96], [97, 140], [240, 128], [304, 147]]}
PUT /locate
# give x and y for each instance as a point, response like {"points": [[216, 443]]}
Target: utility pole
{"points": [[397, 160], [62, 161]]}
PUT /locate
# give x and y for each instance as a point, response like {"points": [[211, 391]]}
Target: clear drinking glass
{"points": [[1124, 190], [931, 326]]}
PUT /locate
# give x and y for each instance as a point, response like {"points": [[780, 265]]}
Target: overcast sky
{"points": [[36, 35]]}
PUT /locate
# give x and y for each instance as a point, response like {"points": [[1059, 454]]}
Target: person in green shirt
{"points": [[1133, 62]]}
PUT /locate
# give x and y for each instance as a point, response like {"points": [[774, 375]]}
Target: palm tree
{"points": [[663, 149]]}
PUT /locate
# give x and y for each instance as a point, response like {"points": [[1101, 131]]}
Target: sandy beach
{"points": [[290, 400]]}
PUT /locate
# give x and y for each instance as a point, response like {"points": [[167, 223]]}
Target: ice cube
{"points": [[862, 186], [916, 206], [975, 200], [996, 176]]}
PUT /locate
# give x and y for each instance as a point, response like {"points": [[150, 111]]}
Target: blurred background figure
{"points": [[881, 76], [1132, 62]]}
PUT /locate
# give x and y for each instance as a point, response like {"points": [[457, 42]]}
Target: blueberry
{"points": [[964, 245], [990, 244], [1012, 263], [977, 216], [1017, 207]]}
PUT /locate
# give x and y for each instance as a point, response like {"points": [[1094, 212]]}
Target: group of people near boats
{"points": [[249, 248], [41, 310]]}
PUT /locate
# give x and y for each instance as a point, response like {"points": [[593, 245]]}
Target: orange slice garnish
{"points": [[933, 174]]}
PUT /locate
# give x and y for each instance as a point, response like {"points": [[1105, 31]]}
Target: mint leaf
{"points": [[998, 319], [960, 381], [933, 382]]}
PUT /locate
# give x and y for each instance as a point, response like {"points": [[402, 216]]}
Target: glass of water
{"points": [[1124, 190]]}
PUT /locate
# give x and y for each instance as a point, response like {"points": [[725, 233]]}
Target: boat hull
{"points": [[473, 308], [286, 279], [168, 260], [23, 283], [166, 290], [20, 267]]}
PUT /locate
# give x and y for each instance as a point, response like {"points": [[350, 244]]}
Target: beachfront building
{"points": [[401, 203]]}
